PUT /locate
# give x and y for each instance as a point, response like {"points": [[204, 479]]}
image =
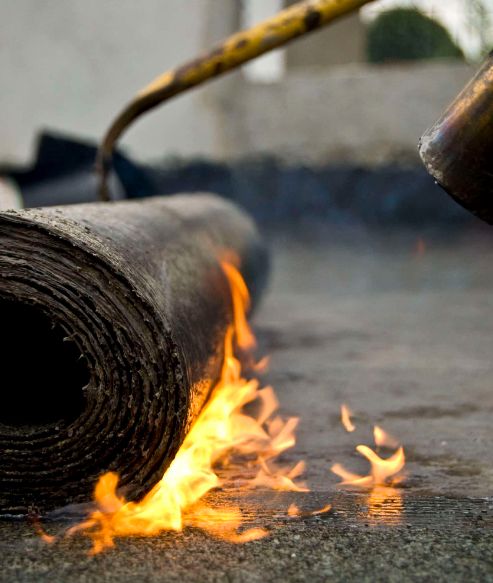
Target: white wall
{"points": [[71, 65], [351, 113]]}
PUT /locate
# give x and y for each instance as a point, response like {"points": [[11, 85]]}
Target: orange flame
{"points": [[40, 531], [295, 512], [241, 304], [346, 414], [221, 432], [381, 469], [385, 503], [384, 439], [384, 471]]}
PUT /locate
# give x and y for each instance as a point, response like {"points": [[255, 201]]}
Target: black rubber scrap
{"points": [[136, 291]]}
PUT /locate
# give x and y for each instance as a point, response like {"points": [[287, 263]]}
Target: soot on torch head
{"points": [[458, 149]]}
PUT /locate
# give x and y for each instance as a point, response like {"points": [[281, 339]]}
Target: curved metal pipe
{"points": [[236, 50]]}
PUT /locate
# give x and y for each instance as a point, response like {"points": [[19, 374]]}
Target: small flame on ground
{"points": [[222, 432], [40, 531], [384, 439], [346, 415], [383, 471], [384, 501], [295, 512]]}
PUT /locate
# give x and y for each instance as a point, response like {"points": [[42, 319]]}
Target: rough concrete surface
{"points": [[402, 331]]}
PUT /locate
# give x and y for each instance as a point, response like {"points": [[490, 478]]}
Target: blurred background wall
{"points": [[70, 65]]}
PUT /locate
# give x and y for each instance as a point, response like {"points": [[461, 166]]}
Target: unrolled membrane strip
{"points": [[114, 316]]}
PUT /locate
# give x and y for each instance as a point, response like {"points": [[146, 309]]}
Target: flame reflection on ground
{"points": [[385, 505]]}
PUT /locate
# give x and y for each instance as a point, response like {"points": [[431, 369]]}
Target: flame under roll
{"points": [[114, 316]]}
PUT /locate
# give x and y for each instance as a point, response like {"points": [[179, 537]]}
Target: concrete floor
{"points": [[403, 333]]}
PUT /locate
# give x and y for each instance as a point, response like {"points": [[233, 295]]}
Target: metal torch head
{"points": [[458, 150]]}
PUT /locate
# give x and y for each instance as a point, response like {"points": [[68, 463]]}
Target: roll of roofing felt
{"points": [[113, 320]]}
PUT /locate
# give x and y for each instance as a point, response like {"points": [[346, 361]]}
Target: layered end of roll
{"points": [[91, 380]]}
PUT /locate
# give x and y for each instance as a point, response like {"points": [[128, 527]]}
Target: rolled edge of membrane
{"points": [[131, 419], [151, 360]]}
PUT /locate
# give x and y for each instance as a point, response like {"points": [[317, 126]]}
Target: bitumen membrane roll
{"points": [[113, 322]]}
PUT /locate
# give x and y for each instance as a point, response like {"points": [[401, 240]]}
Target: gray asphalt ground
{"points": [[403, 333]]}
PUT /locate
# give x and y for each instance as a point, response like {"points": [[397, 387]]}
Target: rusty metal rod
{"points": [[236, 50]]}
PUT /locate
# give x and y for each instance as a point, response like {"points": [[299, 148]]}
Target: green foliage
{"points": [[407, 34]]}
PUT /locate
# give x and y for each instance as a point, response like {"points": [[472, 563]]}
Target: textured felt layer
{"points": [[138, 292]]}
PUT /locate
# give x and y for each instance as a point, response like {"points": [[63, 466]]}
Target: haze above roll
{"points": [[114, 318]]}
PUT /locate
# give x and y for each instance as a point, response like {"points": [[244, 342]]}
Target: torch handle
{"points": [[287, 25]]}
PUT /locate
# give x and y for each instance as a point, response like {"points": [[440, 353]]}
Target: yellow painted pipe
{"points": [[287, 25]]}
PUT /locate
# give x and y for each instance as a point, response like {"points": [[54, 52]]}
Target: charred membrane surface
{"points": [[115, 316]]}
